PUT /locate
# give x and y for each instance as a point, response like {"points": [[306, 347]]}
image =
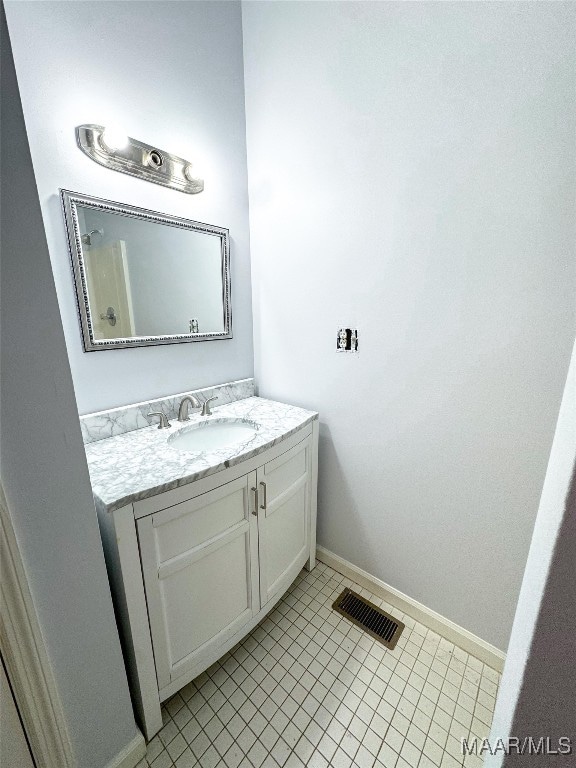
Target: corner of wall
{"points": [[44, 472]]}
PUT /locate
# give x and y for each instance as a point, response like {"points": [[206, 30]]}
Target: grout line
{"points": [[310, 599]]}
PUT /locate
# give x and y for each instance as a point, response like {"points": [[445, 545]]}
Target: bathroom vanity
{"points": [[201, 544]]}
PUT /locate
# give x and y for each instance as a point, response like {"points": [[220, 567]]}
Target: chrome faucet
{"points": [[184, 404]]}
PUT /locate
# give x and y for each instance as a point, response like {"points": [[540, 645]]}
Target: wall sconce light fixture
{"points": [[124, 154]]}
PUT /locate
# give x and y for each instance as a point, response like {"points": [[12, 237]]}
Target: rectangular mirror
{"points": [[146, 278]]}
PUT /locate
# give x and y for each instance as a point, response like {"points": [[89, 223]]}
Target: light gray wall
{"points": [[412, 174], [42, 464], [536, 696], [169, 74]]}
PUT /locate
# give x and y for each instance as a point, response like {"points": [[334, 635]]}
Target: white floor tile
{"points": [[308, 688]]}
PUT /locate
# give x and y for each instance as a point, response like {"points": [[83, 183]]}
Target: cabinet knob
{"points": [[263, 505], [255, 492]]}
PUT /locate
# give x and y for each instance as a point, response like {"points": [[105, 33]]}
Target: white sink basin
{"points": [[213, 435]]}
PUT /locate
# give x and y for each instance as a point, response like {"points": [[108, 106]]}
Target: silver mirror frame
{"points": [[70, 201]]}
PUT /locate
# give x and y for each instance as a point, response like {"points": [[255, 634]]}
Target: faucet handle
{"points": [[164, 423], [206, 407]]}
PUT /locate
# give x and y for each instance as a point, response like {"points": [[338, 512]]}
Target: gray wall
{"points": [[42, 464], [169, 74], [412, 173], [536, 695]]}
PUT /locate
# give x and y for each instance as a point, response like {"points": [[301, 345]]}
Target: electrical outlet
{"points": [[347, 340]]}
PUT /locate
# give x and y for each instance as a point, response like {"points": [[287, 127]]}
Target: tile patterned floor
{"points": [[307, 688]]}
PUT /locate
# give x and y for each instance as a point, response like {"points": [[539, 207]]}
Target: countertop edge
{"points": [[187, 479]]}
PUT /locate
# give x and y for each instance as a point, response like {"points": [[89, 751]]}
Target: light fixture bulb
{"points": [[114, 138], [192, 173]]}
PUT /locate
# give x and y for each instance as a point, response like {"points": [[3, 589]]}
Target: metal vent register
{"points": [[373, 620]]}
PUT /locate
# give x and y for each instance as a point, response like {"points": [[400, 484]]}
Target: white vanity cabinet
{"points": [[195, 568], [200, 568]]}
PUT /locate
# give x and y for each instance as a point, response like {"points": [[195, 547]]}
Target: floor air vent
{"points": [[373, 620]]}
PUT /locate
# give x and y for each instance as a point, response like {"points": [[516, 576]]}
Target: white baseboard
{"points": [[461, 637], [131, 755]]}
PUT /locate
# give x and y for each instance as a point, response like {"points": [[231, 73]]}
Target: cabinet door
{"points": [[200, 566], [284, 518]]}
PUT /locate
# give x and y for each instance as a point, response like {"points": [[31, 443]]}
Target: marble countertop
{"points": [[142, 463]]}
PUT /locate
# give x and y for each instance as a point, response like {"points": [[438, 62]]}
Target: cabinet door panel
{"points": [[285, 537], [193, 522], [200, 600], [283, 472], [199, 591], [284, 519]]}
